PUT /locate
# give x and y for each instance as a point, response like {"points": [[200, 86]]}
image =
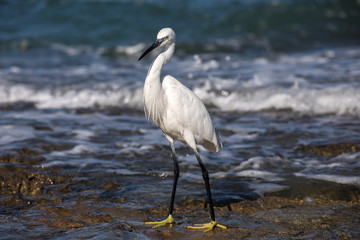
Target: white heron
{"points": [[181, 115]]}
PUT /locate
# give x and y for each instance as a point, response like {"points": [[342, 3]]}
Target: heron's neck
{"points": [[153, 92], [160, 61]]}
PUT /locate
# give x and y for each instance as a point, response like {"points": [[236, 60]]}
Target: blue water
{"points": [[275, 76], [233, 25]]}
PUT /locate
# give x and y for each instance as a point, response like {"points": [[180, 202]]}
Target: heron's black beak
{"points": [[152, 47]]}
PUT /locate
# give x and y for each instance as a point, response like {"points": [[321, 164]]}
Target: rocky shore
{"points": [[58, 202]]}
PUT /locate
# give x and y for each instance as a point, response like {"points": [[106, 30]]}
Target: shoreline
{"points": [[56, 203]]}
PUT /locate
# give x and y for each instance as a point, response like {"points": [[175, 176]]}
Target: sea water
{"points": [[275, 76]]}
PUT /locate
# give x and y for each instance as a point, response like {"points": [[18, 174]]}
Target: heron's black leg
{"points": [[176, 177], [205, 175]]}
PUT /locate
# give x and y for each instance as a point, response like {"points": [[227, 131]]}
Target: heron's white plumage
{"points": [[178, 112], [181, 115], [186, 112]]}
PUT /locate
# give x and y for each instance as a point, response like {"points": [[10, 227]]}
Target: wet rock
{"points": [[292, 217], [42, 127], [329, 150], [74, 217], [161, 211], [64, 188], [66, 223], [193, 202], [318, 190], [53, 200], [22, 155], [123, 229], [15, 202], [111, 186], [50, 147], [247, 207], [98, 218], [59, 211], [17, 180], [124, 226]]}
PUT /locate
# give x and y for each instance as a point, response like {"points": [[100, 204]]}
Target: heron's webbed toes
{"points": [[168, 221], [206, 226]]}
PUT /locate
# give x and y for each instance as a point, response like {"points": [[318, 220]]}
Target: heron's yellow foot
{"points": [[206, 226], [168, 221]]}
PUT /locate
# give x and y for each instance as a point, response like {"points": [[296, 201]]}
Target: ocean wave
{"points": [[338, 100], [351, 180], [323, 82], [72, 98]]}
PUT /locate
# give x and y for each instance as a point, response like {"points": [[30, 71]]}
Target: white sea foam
{"points": [[76, 150], [85, 49], [292, 82], [339, 100], [337, 163], [77, 162], [350, 180], [83, 134], [125, 172], [130, 50], [71, 50], [269, 176], [253, 163], [82, 98], [261, 188]]}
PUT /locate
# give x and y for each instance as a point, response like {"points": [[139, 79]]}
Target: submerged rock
{"points": [[18, 180], [54, 201], [329, 150], [23, 156]]}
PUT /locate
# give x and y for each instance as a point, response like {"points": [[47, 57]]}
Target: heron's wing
{"points": [[184, 107]]}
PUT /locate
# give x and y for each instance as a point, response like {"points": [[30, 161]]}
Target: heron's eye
{"points": [[166, 38]]}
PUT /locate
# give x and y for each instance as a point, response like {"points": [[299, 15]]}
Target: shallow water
{"points": [[80, 160]]}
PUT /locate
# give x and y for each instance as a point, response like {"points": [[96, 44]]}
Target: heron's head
{"points": [[165, 38]]}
